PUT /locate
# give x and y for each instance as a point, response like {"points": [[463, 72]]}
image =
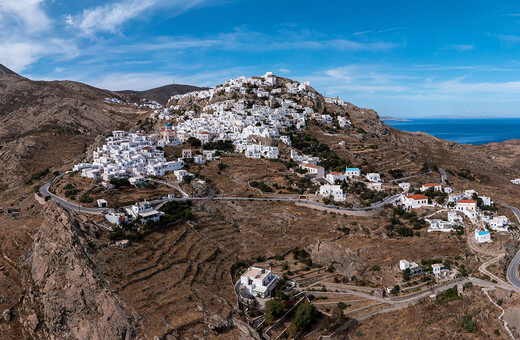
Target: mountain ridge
{"points": [[7, 71], [161, 94]]}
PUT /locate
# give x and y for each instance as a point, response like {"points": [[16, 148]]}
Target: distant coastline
{"points": [[393, 119], [475, 131]]}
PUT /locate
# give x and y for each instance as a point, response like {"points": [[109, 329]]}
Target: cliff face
{"points": [[67, 296]]}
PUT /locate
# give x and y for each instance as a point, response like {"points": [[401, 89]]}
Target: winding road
{"points": [[44, 190], [512, 270]]}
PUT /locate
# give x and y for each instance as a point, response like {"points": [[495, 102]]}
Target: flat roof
{"points": [[257, 273], [149, 213]]}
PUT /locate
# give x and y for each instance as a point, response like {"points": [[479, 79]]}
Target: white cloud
{"points": [[18, 55], [459, 47], [26, 13], [111, 17], [145, 81]]}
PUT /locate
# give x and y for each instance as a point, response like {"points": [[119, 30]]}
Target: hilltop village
{"points": [[147, 179]]}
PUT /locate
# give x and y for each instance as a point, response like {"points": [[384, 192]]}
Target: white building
{"points": [[467, 207], [317, 170], [198, 159], [259, 151], [258, 282], [136, 180], [486, 200], [286, 140], [482, 236], [180, 174], [414, 201], [497, 223], [377, 186], [373, 177], [335, 176], [351, 172], [454, 198], [515, 181], [435, 186], [437, 269], [116, 218], [455, 218], [102, 203], [405, 186], [333, 190], [440, 225], [144, 212], [414, 267]]}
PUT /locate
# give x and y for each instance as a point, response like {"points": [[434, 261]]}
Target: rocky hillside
{"points": [[161, 94], [47, 124], [5, 70], [66, 294]]}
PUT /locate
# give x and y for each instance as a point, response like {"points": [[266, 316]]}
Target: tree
{"points": [[194, 142], [406, 274], [304, 316], [469, 325], [274, 308], [395, 290]]}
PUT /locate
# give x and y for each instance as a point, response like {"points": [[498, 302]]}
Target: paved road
{"points": [[44, 190], [512, 270], [515, 211]]}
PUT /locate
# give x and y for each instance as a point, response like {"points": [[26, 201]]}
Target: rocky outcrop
{"points": [[66, 295], [345, 261]]}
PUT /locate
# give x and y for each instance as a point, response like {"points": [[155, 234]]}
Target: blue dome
{"points": [[168, 124]]}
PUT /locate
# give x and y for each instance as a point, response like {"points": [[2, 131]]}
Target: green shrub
{"points": [[469, 325]]}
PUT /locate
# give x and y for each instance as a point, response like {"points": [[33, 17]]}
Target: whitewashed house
{"points": [[437, 269], [316, 170], [373, 177], [440, 225], [180, 174], [455, 218], [136, 180], [333, 190], [515, 181], [467, 207], [352, 172], [414, 201], [198, 159], [335, 176], [286, 140], [497, 223], [482, 236], [116, 218], [405, 186], [435, 186], [414, 267], [454, 198], [144, 212], [258, 282]]}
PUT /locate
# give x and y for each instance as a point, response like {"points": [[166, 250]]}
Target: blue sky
{"points": [[401, 58]]}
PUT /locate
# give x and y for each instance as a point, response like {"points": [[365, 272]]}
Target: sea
{"points": [[476, 131]]}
